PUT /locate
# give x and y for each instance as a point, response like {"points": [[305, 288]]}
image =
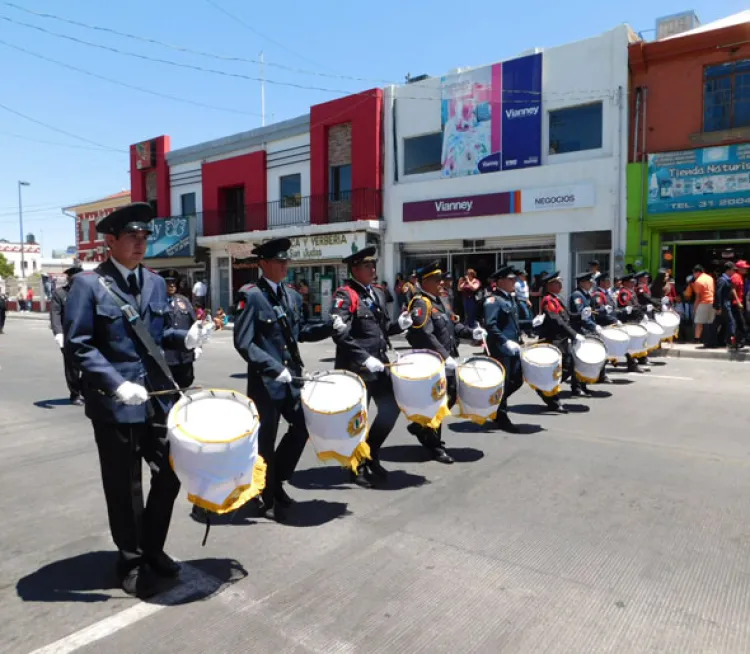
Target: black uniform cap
{"points": [[602, 277], [134, 217], [594, 262], [585, 277], [627, 278], [447, 276], [170, 275], [642, 273], [73, 270], [429, 270], [546, 278], [276, 248], [360, 256], [506, 272]]}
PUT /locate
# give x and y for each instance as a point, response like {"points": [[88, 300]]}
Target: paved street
{"points": [[621, 527]]}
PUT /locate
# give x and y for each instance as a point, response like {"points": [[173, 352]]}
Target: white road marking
{"points": [[652, 376], [193, 582]]}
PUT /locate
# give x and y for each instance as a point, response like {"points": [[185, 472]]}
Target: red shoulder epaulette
{"points": [[246, 287], [380, 286]]}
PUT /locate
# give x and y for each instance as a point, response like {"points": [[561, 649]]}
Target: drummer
{"points": [[629, 311], [362, 327], [603, 305], [181, 315], [433, 329], [582, 318], [556, 330], [504, 338]]}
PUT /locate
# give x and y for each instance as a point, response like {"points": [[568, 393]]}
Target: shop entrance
{"points": [[681, 258]]}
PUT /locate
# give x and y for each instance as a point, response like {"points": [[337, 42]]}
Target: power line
{"points": [[64, 145], [201, 53], [169, 62], [125, 84], [57, 129]]}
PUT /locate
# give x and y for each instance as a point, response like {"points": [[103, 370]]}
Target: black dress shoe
{"points": [[605, 380], [278, 513], [282, 497], [360, 478], [376, 469], [164, 565], [556, 407], [577, 392], [441, 456], [503, 422], [198, 514], [141, 582]]}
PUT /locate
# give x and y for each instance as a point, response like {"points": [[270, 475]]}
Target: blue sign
{"points": [[172, 237], [706, 178], [522, 112]]}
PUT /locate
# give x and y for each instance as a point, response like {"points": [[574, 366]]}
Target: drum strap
{"points": [[141, 332]]}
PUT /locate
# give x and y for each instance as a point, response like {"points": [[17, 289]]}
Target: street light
{"points": [[20, 223]]}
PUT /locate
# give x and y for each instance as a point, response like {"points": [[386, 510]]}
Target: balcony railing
{"points": [[348, 206]]}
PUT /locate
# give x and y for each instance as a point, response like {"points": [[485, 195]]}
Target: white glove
{"points": [[586, 313], [608, 309], [285, 377], [339, 326], [197, 335], [59, 339], [374, 365], [598, 329], [628, 310], [580, 338], [619, 323], [649, 308], [538, 320], [479, 333], [198, 351], [131, 394], [405, 321], [512, 347], [665, 302], [450, 365]]}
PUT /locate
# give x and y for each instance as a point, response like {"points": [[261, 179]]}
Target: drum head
{"points": [[591, 351], [334, 392], [481, 372], [417, 364], [635, 330], [616, 334], [542, 355], [214, 416]]}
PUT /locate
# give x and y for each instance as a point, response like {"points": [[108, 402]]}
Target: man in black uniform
{"points": [[114, 323], [266, 335], [582, 318], [504, 338], [629, 310], [181, 316], [433, 329], [3, 309], [603, 305], [362, 327], [57, 317]]}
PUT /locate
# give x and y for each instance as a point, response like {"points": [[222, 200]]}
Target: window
{"points": [[726, 96], [187, 204], [84, 233], [422, 153], [340, 182], [575, 128], [290, 190]]}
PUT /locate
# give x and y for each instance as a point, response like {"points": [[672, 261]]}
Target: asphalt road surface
{"points": [[621, 527]]}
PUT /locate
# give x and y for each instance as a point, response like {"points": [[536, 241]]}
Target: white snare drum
{"points": [[655, 335], [420, 387], [616, 340], [670, 323], [638, 335], [335, 408], [590, 357], [213, 438], [542, 368], [481, 381]]}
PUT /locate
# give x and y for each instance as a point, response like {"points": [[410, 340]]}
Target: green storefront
{"points": [[687, 208]]}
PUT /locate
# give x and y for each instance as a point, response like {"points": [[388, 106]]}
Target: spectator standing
{"points": [[723, 303], [199, 293], [738, 303], [30, 299], [3, 309], [304, 290], [471, 290], [704, 288], [522, 296], [21, 299]]}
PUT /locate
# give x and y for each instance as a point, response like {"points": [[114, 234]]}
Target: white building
{"points": [[32, 258], [550, 131]]}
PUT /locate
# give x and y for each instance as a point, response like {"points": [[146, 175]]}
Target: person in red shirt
{"points": [[738, 303]]}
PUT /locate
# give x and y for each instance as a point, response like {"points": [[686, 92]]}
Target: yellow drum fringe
{"points": [[585, 380], [360, 455], [551, 393], [240, 495], [431, 423], [479, 420]]}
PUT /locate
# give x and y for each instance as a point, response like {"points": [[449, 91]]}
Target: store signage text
{"points": [[326, 246], [556, 198]]}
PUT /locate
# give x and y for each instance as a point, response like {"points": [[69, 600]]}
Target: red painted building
{"points": [[316, 179], [90, 245]]}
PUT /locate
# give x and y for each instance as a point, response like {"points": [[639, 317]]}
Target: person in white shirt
{"points": [[522, 298], [199, 293]]}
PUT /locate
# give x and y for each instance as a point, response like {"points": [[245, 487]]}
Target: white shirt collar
{"points": [[274, 286], [125, 272]]}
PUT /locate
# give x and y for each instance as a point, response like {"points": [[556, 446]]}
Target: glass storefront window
{"points": [[222, 264]]}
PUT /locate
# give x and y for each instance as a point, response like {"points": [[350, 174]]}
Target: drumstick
{"points": [[171, 391], [312, 379], [397, 363], [484, 345]]}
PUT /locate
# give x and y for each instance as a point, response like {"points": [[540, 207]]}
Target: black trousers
{"points": [[281, 461], [183, 374], [380, 391], [137, 530], [433, 438], [72, 376], [568, 373], [2, 319], [513, 378]]}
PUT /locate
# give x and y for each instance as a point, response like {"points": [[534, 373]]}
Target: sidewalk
{"points": [[684, 350]]}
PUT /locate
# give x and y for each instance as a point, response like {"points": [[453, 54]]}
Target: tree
{"points": [[6, 270]]}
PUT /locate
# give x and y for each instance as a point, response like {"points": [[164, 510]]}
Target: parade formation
{"points": [[129, 343]]}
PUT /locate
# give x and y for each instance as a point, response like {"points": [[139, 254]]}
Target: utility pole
{"points": [[262, 91], [20, 224]]}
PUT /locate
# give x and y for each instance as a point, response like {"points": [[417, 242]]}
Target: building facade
{"points": [[689, 170], [32, 258], [521, 161], [90, 245]]}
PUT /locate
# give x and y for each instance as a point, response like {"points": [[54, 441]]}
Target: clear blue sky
{"points": [[375, 40]]}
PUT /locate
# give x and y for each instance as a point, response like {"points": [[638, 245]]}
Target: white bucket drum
{"points": [[670, 323], [481, 381], [542, 368], [335, 408], [213, 438], [590, 357], [420, 387], [638, 336], [655, 335], [617, 342]]}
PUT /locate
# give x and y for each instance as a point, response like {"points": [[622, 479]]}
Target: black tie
{"points": [[133, 285], [280, 295]]}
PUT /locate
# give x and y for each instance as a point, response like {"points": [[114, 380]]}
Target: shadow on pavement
{"points": [[401, 480], [315, 513], [599, 394], [51, 404], [418, 454], [238, 375], [321, 478]]}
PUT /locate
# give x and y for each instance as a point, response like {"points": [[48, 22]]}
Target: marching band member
{"points": [[582, 317], [266, 335], [604, 308], [115, 327], [629, 310], [433, 329], [556, 329], [180, 316], [504, 338], [57, 318], [362, 327]]}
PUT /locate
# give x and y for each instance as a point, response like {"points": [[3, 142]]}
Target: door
{"points": [[583, 259]]}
